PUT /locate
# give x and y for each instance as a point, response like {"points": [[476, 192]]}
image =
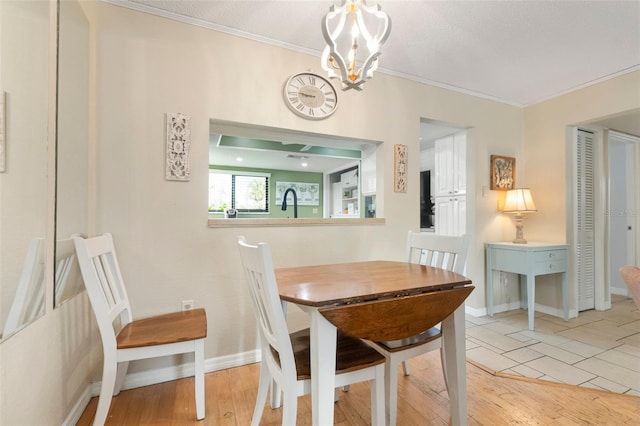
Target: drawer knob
{"points": [[551, 255]]}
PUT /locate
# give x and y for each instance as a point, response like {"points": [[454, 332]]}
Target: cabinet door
{"points": [[459, 215], [451, 215], [444, 215], [459, 163], [444, 166], [349, 179]]}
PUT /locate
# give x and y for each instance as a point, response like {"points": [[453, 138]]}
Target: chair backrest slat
{"points": [[261, 281], [105, 287], [441, 251]]}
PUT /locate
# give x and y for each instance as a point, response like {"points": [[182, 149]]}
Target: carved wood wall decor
{"points": [[400, 165], [178, 147]]}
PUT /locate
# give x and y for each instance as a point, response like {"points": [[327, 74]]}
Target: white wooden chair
{"points": [[169, 334], [286, 357], [425, 248], [28, 302]]}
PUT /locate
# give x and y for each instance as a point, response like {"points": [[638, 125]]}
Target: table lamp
{"points": [[519, 201]]}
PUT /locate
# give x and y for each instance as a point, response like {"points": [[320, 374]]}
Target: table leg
{"points": [[453, 340], [490, 276], [565, 296], [531, 298], [323, 367]]}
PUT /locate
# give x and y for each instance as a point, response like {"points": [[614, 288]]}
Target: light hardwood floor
{"points": [[423, 400]]}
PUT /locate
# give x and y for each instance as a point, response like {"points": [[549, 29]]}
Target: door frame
{"points": [[602, 182]]}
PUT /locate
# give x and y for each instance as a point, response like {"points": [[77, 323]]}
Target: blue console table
{"points": [[528, 260]]}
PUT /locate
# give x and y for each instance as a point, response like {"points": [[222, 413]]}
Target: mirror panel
{"points": [[72, 145], [24, 79]]}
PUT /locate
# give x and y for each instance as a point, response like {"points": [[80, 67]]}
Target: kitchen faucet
{"points": [[295, 201]]}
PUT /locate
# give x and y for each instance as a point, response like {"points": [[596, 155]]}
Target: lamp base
{"points": [[519, 233]]}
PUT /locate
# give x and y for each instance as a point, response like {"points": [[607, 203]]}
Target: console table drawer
{"points": [[509, 260], [550, 255], [550, 267]]}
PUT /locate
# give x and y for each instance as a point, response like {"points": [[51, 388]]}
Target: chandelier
{"points": [[355, 33]]}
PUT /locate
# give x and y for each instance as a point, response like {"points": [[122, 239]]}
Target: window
{"points": [[244, 191]]}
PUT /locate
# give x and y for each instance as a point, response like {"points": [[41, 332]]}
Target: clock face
{"points": [[310, 96]]}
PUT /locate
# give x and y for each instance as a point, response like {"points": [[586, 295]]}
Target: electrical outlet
{"points": [[187, 305]]}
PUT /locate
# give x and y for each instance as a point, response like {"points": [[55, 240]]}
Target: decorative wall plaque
{"points": [[178, 147], [400, 161]]}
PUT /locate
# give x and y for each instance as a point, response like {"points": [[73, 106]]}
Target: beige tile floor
{"points": [[598, 349]]}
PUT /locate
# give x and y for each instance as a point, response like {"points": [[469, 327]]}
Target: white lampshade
{"points": [[519, 201]]}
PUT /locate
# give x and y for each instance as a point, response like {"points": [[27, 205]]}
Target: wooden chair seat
{"points": [[164, 329], [351, 354], [419, 339]]}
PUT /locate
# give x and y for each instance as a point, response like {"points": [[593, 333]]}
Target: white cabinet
{"points": [[451, 215], [451, 165], [451, 184], [349, 179], [344, 192]]}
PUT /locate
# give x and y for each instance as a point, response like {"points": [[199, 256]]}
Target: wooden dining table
{"points": [[315, 287]]}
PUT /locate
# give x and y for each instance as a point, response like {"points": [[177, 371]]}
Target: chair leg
{"points": [[405, 366], [289, 408], [265, 382], [391, 390], [121, 374], [276, 394], [199, 378], [444, 367], [109, 370], [378, 405]]}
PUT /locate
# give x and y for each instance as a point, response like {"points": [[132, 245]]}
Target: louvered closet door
{"points": [[584, 202]]}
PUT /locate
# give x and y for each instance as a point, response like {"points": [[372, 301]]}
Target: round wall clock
{"points": [[310, 96]]}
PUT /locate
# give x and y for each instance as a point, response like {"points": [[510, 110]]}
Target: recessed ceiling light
{"points": [[238, 158], [304, 164]]}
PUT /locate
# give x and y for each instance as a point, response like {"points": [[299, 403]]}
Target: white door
{"points": [[585, 224], [621, 209]]}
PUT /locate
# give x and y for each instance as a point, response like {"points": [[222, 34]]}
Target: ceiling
{"points": [[513, 51]]}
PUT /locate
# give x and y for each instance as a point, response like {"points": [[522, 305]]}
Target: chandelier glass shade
{"points": [[354, 32]]}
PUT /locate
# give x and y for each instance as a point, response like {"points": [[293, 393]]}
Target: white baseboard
{"points": [[619, 291], [78, 408], [517, 305]]}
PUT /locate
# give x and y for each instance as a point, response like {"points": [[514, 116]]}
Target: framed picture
{"points": [[503, 173]]}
